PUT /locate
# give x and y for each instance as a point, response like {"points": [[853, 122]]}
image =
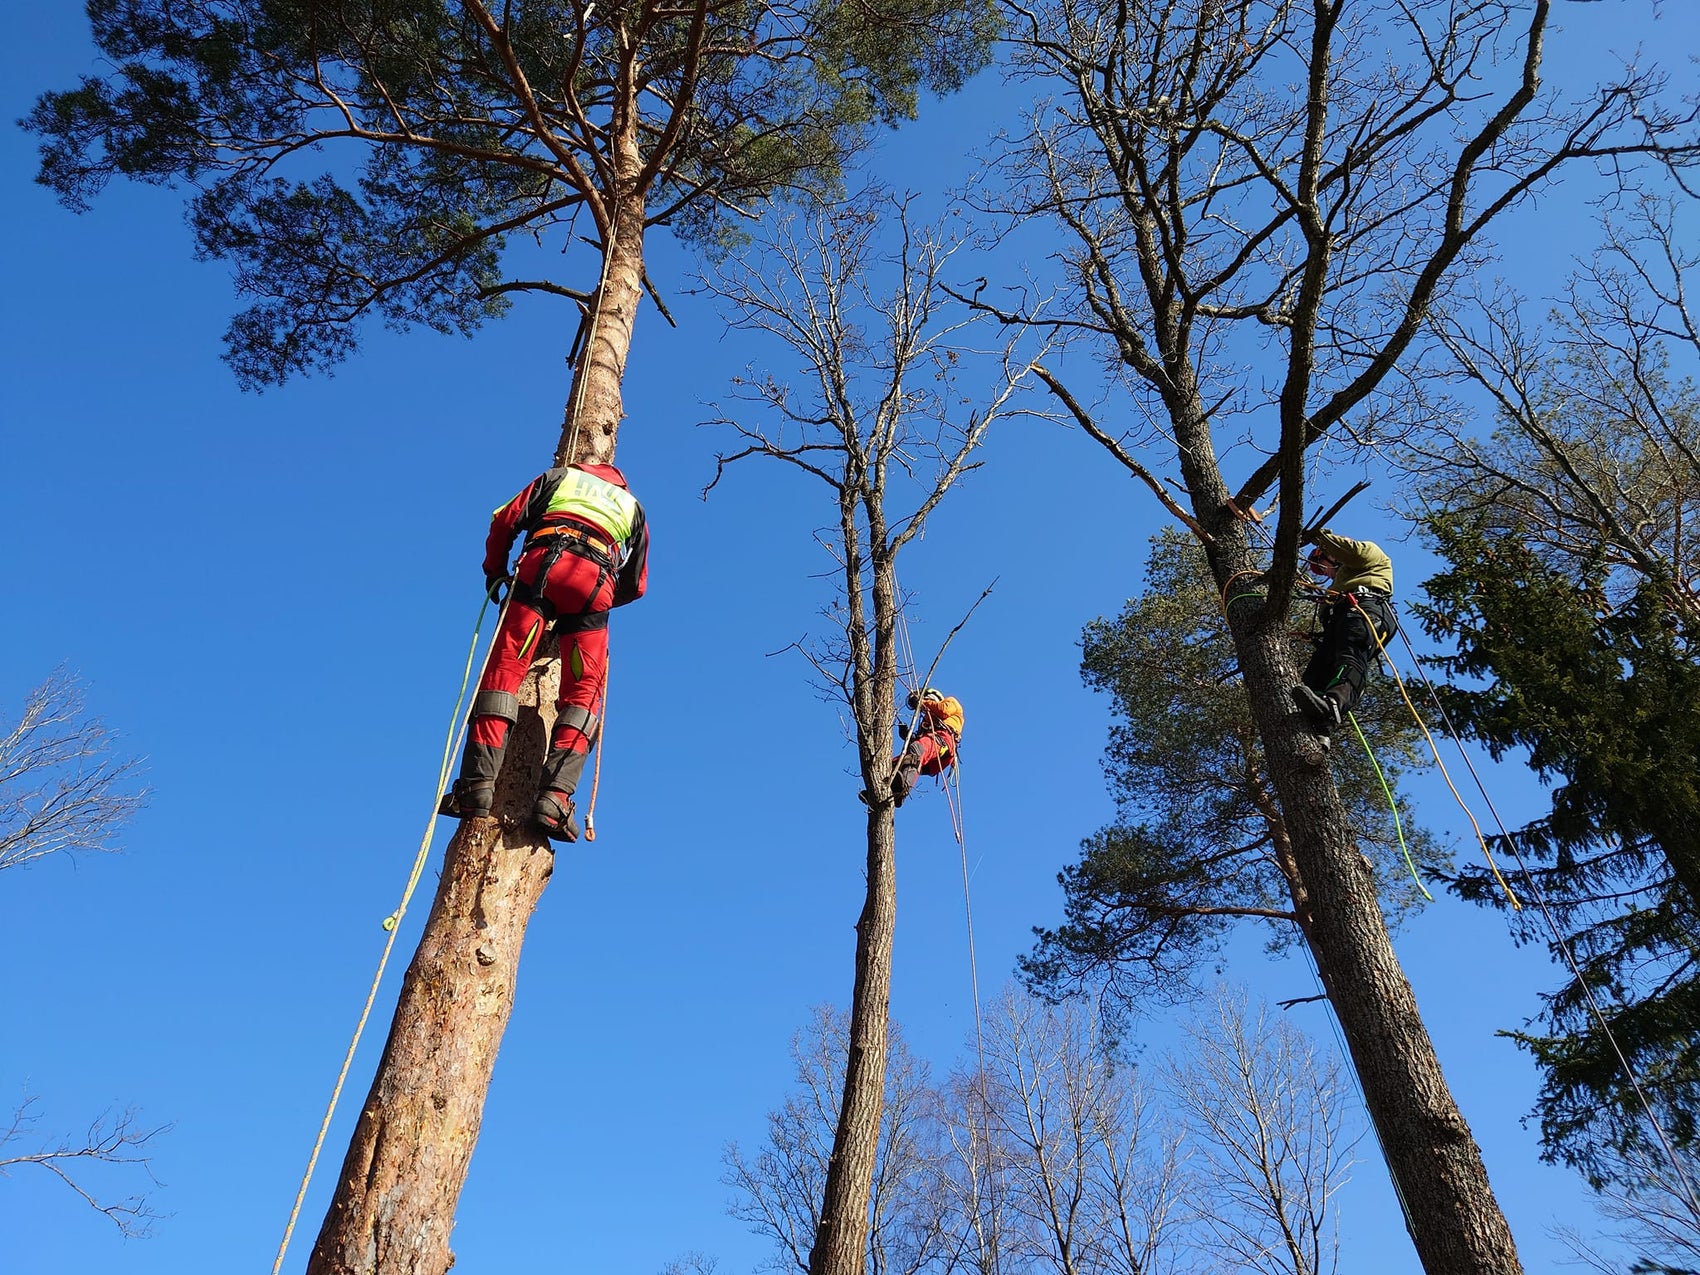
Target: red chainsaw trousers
{"points": [[578, 589], [936, 751]]}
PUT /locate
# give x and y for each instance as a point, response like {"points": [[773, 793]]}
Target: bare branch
{"points": [[113, 1139], [61, 787]]}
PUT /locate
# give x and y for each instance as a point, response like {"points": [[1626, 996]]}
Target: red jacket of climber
{"points": [[586, 551], [562, 499]]}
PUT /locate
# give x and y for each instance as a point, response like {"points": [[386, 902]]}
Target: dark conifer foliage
{"points": [[1200, 845], [358, 159], [1606, 701]]}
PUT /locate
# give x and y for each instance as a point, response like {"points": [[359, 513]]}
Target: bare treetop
{"points": [[1596, 456], [62, 790], [1266, 197]]}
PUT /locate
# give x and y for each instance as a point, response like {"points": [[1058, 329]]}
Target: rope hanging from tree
{"points": [[392, 922]]}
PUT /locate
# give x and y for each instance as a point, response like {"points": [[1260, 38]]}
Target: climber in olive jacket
{"points": [[1357, 620]]}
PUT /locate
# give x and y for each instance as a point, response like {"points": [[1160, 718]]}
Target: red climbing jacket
{"points": [[573, 501]]}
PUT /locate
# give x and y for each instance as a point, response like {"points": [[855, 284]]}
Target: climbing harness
{"points": [[392, 922], [562, 540], [1559, 942]]}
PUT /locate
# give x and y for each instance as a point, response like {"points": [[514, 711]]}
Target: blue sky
{"points": [[270, 597]]}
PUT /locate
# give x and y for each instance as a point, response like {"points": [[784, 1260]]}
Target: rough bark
{"points": [[841, 1241], [394, 1204], [1307, 177], [1456, 1223]]}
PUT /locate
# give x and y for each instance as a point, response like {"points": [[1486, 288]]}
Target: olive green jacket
{"points": [[1362, 563]]}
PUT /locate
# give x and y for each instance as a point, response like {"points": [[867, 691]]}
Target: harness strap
{"points": [[587, 539], [533, 593]]}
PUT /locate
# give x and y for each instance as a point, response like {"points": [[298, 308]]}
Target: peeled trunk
{"points": [[394, 1205]]}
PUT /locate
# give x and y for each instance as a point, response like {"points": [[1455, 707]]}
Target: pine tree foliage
{"points": [[1605, 701], [1199, 845], [358, 159]]}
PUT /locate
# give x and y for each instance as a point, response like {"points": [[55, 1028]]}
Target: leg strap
{"points": [[573, 717], [502, 704]]}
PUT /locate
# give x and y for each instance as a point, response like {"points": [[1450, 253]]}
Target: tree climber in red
{"points": [[1360, 595], [586, 551], [932, 748]]}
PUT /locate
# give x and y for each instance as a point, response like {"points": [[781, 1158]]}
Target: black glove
{"points": [[493, 586], [914, 699], [902, 731]]}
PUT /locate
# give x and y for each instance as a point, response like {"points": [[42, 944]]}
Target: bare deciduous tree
{"points": [[877, 418], [1597, 450], [1267, 1116], [1260, 201], [62, 789], [1045, 1152], [114, 1140], [1081, 1179], [779, 1189], [1655, 1216], [691, 1263]]}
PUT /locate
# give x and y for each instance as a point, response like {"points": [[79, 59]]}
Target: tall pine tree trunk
{"points": [[394, 1204]]}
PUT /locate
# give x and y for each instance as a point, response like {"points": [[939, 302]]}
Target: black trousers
{"points": [[1348, 646]]}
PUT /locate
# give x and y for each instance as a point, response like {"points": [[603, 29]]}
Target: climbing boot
{"points": [[553, 811], [472, 795], [904, 779], [1323, 709], [468, 799]]}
